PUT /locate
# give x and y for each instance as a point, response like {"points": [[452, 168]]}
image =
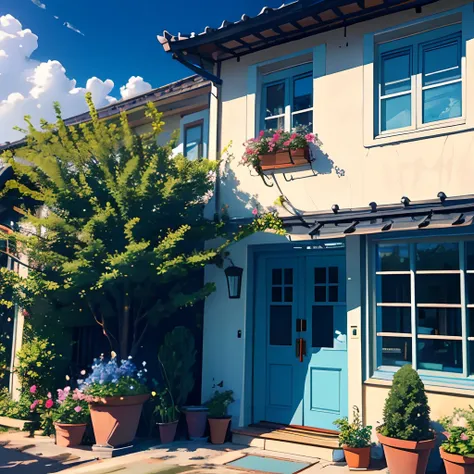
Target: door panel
{"points": [[325, 397], [284, 376]]}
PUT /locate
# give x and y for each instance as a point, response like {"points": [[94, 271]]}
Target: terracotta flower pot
{"points": [[218, 427], [115, 419], [196, 419], [167, 432], [457, 464], [405, 457], [69, 434], [357, 458]]}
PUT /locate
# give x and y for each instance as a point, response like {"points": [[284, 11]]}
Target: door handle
{"points": [[300, 348]]}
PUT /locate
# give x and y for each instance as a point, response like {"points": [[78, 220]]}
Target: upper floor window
{"points": [[420, 81], [287, 99], [193, 140]]}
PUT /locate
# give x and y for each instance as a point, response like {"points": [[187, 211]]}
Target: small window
{"points": [[288, 99], [419, 80], [193, 140]]}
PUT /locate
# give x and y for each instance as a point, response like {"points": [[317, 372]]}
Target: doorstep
{"points": [[290, 440]]}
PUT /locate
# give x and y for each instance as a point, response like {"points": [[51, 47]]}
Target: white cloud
{"points": [[39, 4], [29, 87], [135, 85]]}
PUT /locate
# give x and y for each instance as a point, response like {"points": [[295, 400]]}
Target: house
{"points": [[377, 269], [185, 107]]}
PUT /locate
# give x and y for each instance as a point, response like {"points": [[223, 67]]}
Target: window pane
{"points": [[439, 321], [319, 294], [323, 326], [393, 258], [320, 275], [276, 294], [470, 315], [333, 294], [396, 113], [396, 73], [441, 103], [288, 276], [444, 356], [470, 255], [302, 93], [303, 119], [470, 288], [333, 274], [438, 289], [288, 294], [396, 351], [394, 289], [395, 320], [193, 140], [276, 276], [442, 63], [275, 100], [437, 256], [275, 124], [281, 326]]}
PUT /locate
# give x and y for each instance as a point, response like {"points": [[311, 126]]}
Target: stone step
{"points": [[289, 442]]}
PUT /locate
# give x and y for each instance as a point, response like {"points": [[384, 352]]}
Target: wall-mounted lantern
{"points": [[233, 276]]}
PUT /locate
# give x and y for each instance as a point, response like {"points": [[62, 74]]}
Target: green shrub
{"points": [[219, 402], [177, 357], [406, 414], [459, 432], [355, 434], [37, 361]]}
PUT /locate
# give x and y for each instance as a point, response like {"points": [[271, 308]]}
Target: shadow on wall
{"points": [[242, 202]]}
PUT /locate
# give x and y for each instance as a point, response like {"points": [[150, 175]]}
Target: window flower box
{"points": [[284, 159], [273, 150]]}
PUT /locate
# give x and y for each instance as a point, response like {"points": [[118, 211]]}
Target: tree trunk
{"points": [[125, 329]]}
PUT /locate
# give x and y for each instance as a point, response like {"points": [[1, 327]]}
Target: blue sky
{"points": [[120, 35]]}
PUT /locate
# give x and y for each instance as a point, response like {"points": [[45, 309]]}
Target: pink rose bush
{"points": [[272, 141]]}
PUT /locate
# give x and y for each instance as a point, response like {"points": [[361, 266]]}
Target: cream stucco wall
{"points": [[348, 173]]}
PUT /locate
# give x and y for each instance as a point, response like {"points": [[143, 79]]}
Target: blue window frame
{"points": [[287, 99], [424, 308], [193, 140], [419, 81]]}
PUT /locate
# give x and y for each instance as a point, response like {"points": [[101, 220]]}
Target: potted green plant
{"points": [[218, 419], [70, 418], [406, 435], [168, 416], [457, 451], [115, 392], [354, 438]]}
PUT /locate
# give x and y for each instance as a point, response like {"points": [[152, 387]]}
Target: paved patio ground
{"points": [[40, 455]]}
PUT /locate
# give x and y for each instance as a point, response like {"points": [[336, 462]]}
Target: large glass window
{"points": [[424, 299], [419, 80], [287, 99]]}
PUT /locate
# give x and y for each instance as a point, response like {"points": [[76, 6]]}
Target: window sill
{"points": [[430, 386], [457, 126]]}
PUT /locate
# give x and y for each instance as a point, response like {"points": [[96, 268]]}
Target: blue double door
{"points": [[300, 371]]}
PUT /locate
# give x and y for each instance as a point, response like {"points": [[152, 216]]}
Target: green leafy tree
{"points": [[118, 231], [406, 413]]}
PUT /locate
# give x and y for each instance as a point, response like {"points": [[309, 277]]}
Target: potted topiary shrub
{"points": [[70, 418], [457, 451], [115, 393], [168, 416], [354, 438], [218, 419], [406, 434]]}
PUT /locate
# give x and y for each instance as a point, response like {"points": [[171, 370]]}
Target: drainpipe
{"points": [[218, 137]]}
